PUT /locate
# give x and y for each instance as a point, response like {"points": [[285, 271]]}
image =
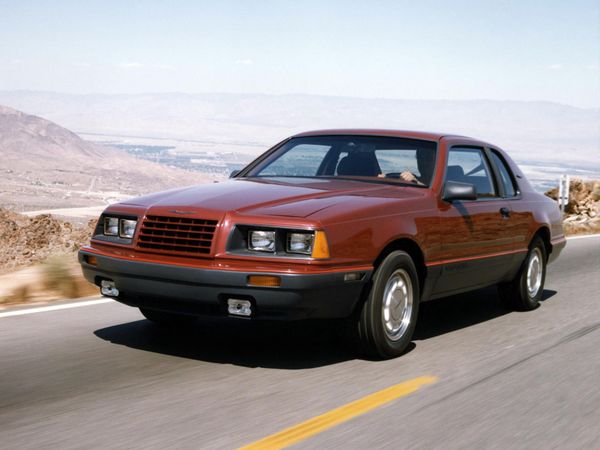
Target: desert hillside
{"points": [[46, 166]]}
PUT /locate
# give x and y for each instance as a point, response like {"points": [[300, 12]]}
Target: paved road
{"points": [[101, 376]]}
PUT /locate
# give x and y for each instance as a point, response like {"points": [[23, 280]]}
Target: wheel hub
{"points": [[534, 272], [397, 304]]}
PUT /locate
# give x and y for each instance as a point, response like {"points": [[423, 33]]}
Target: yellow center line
{"points": [[330, 419]]}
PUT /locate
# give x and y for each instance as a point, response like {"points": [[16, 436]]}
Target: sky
{"points": [[456, 50]]}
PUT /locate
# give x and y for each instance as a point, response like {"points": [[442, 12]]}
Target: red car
{"points": [[355, 224]]}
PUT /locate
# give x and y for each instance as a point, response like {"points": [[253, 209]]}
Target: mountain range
{"points": [[536, 132]]}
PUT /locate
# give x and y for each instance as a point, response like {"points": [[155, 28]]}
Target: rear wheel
{"points": [[166, 319], [387, 320], [525, 291]]}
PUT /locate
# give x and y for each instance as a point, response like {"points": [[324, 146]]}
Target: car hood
{"points": [[291, 197]]}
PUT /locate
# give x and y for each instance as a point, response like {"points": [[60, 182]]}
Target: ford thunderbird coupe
{"points": [[358, 225]]}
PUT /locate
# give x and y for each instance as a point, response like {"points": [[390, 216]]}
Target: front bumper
{"points": [[204, 292]]}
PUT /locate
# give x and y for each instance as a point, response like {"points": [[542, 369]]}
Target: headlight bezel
{"points": [[101, 232], [239, 242]]}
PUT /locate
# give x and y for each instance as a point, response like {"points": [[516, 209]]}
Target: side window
{"points": [[505, 174], [468, 165]]}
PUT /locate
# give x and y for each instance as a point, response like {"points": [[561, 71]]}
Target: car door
{"points": [[521, 218], [476, 243]]}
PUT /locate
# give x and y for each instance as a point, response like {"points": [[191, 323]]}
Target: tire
{"points": [[166, 319], [386, 322], [525, 291]]}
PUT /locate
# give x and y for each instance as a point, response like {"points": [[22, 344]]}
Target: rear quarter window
{"points": [[506, 175]]}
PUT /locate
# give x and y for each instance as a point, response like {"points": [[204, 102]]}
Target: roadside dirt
{"points": [[29, 240], [582, 213], [38, 258]]}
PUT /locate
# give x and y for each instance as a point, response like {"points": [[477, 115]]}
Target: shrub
{"points": [[57, 276]]}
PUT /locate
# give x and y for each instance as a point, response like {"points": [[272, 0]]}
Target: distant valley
{"points": [[216, 133]]}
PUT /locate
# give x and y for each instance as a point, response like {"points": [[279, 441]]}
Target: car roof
{"points": [[430, 136]]}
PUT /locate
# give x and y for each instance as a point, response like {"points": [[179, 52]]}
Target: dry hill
{"points": [[44, 165]]}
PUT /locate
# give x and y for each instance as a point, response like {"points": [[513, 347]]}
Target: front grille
{"points": [[176, 235]]}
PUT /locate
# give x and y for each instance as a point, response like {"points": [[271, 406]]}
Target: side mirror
{"points": [[234, 173], [453, 190]]}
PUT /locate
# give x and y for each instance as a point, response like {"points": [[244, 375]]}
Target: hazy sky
{"points": [[507, 50]]}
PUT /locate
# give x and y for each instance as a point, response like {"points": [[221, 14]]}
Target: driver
{"points": [[425, 164]]}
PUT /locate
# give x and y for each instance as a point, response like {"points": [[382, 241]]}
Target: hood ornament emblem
{"points": [[178, 211]]}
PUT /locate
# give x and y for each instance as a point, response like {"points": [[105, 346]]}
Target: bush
{"points": [[57, 276]]}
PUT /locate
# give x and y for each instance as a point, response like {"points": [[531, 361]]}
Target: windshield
{"points": [[369, 158]]}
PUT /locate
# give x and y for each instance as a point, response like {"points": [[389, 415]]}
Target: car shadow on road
{"points": [[294, 345], [289, 346], [547, 294], [449, 314]]}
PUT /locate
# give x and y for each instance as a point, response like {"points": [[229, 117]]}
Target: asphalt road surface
{"points": [[102, 376]]}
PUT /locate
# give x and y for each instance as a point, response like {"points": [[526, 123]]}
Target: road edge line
{"points": [[584, 236], [40, 309]]}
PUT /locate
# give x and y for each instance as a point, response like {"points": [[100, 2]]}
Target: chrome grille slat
{"points": [[184, 235], [179, 228], [174, 241]]}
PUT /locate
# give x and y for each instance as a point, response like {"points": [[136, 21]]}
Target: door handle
{"points": [[505, 211]]}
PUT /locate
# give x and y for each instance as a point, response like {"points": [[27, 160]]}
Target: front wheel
{"points": [[525, 291], [387, 320]]}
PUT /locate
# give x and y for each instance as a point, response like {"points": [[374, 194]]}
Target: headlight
{"points": [[261, 241], [127, 228], [111, 226], [115, 226], [272, 241], [300, 243]]}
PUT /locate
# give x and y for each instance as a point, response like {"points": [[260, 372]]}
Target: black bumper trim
{"points": [[196, 291]]}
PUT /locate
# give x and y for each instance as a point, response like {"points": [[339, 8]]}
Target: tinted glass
{"points": [[468, 165], [381, 158], [304, 160], [505, 175], [391, 161]]}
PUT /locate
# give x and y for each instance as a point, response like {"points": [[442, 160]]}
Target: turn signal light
{"points": [[92, 260], [264, 280], [320, 246]]}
